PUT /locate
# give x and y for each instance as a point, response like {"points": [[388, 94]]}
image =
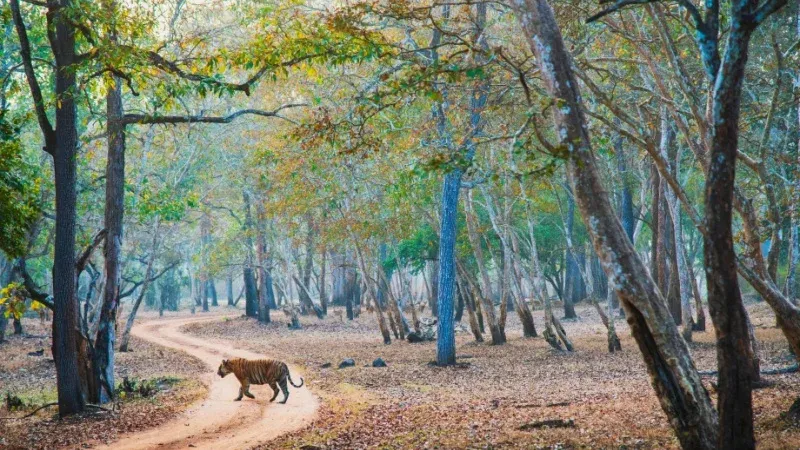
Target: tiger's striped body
{"points": [[260, 371]]}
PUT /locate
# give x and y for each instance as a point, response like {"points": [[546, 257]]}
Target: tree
{"points": [[665, 353]]}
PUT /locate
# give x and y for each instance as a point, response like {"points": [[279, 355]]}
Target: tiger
{"points": [[261, 371]]}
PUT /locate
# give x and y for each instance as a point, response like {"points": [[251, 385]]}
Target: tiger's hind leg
{"points": [[275, 389], [285, 390]]}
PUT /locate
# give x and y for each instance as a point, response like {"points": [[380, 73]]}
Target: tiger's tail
{"points": [[289, 377]]}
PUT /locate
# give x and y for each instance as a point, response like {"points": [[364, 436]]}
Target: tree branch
{"points": [[33, 83], [87, 253], [764, 11], [142, 119], [30, 286], [129, 291], [616, 7]]}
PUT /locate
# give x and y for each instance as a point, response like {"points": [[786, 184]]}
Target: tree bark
{"points": [[672, 372], [66, 339], [105, 342], [734, 349]]}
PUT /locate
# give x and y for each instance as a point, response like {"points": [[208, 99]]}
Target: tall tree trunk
{"points": [[672, 372], [446, 341], [105, 342], [734, 349], [66, 339]]}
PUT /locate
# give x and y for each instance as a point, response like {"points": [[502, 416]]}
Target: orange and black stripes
{"points": [[261, 371]]}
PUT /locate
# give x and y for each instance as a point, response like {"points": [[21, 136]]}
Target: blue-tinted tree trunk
{"points": [[446, 342]]}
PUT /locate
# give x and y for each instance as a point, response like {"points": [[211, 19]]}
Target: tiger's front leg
{"points": [[246, 388], [239, 398]]}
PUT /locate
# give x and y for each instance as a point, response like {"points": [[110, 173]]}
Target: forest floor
{"points": [[486, 401], [32, 378]]}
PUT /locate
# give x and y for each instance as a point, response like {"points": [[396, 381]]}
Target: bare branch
{"points": [[616, 7], [153, 119], [130, 290]]}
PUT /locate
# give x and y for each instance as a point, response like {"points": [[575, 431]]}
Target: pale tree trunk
{"points": [[672, 371], [486, 296], [553, 333], [371, 291], [503, 232], [466, 292]]}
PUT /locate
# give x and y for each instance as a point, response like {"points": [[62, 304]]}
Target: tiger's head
{"points": [[224, 368]]}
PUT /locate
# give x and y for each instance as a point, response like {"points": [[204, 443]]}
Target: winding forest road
{"points": [[218, 422]]}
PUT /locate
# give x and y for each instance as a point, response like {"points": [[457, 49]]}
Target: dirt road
{"points": [[218, 422]]}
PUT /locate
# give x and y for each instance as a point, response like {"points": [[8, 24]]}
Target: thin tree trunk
{"points": [[323, 294], [124, 342], [680, 252], [250, 290], [503, 232], [263, 278], [486, 295]]}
